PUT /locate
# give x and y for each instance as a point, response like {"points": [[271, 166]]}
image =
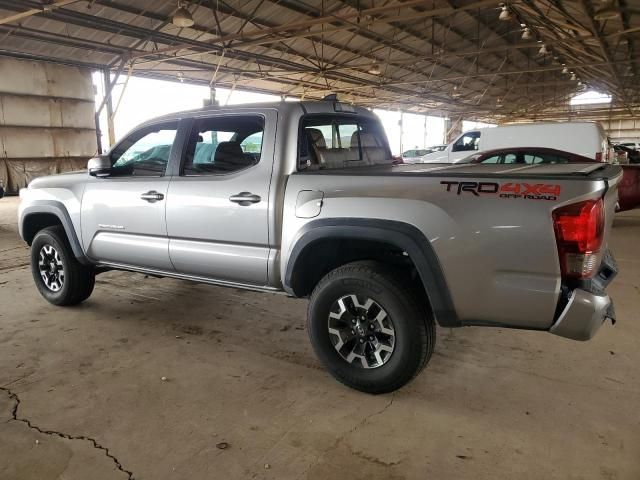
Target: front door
{"points": [[123, 214], [218, 205]]}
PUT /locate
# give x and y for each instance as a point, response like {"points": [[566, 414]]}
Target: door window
{"points": [[221, 145], [145, 152], [467, 143], [532, 158], [492, 159]]}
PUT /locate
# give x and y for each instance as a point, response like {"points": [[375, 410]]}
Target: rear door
{"points": [[122, 215], [218, 203]]}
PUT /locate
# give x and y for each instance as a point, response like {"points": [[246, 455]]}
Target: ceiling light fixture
{"points": [[565, 70], [526, 34], [505, 14], [375, 69], [182, 18], [573, 77], [543, 50], [607, 11]]}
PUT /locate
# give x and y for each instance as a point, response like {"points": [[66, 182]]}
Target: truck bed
{"points": [[490, 226], [593, 171]]}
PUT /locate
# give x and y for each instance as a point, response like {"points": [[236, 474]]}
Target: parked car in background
{"points": [[634, 145], [626, 154], [620, 155], [628, 188], [410, 156], [437, 148], [582, 138], [416, 156]]}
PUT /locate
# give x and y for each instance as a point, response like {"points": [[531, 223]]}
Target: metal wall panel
{"points": [[28, 77], [19, 110], [47, 122], [30, 142], [623, 129]]}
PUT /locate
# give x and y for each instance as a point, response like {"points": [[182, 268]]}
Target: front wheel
{"points": [[369, 328], [59, 277]]}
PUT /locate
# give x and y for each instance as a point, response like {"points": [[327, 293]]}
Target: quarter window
{"points": [[144, 152]]}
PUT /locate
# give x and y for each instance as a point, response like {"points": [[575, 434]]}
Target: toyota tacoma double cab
{"points": [[305, 199]]}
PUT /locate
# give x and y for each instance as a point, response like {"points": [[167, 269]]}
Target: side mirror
{"points": [[99, 166]]}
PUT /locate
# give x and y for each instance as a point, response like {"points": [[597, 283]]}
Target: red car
{"points": [[628, 190]]}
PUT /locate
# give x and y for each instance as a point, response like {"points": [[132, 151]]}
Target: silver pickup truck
{"points": [[305, 199]]}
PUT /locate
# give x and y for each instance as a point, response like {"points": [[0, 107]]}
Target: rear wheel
{"points": [[369, 327], [59, 277]]}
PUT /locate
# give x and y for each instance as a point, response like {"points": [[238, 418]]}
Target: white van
{"points": [[583, 138]]}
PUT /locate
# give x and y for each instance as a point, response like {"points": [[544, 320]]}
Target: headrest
{"points": [[316, 137], [228, 149], [367, 140]]}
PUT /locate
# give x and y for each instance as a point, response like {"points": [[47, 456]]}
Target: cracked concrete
{"points": [[491, 404], [16, 418]]}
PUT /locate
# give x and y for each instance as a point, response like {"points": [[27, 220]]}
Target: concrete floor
{"points": [[240, 373]]}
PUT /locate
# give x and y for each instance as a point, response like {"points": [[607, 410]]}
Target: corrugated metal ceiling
{"points": [[442, 56]]}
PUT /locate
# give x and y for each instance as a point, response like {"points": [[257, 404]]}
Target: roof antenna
{"points": [[332, 97]]}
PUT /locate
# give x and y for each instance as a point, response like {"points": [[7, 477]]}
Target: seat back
{"points": [[230, 157], [372, 152]]}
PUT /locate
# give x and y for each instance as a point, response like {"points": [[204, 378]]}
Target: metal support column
{"points": [[401, 122], [109, 105], [425, 132]]}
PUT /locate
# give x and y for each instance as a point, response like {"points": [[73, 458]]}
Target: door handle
{"points": [[152, 196], [244, 198]]}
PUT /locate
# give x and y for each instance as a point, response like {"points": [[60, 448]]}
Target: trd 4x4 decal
{"points": [[528, 191]]}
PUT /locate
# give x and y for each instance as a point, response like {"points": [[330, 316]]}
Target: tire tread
{"points": [[81, 278], [401, 288]]}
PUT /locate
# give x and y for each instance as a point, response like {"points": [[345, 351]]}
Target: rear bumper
{"points": [[584, 314], [588, 306]]}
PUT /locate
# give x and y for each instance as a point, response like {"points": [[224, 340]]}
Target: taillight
{"points": [[598, 156], [579, 232]]}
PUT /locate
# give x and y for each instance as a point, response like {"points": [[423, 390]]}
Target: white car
{"points": [[414, 156], [582, 138], [417, 155]]}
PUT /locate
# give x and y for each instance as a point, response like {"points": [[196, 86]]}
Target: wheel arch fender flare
{"points": [[401, 235], [56, 208]]}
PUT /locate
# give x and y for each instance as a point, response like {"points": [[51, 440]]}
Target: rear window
{"points": [[340, 141]]}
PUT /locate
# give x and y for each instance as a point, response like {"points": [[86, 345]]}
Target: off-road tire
{"points": [[79, 279], [405, 305]]}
